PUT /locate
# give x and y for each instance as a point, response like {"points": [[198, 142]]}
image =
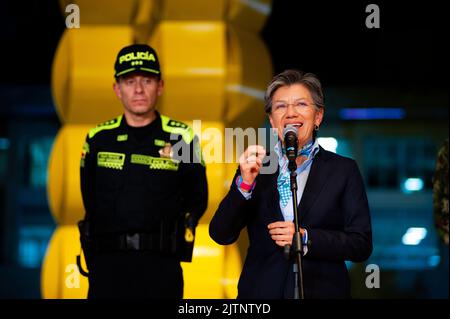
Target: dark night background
{"points": [[403, 64], [327, 38]]}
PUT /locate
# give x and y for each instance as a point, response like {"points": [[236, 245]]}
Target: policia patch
{"points": [[155, 162], [110, 160]]}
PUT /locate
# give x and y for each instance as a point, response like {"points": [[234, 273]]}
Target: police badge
{"points": [[166, 151]]}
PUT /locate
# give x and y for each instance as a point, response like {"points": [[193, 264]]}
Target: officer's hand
{"points": [[250, 163]]}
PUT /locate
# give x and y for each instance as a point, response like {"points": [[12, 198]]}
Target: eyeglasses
{"points": [[299, 106]]}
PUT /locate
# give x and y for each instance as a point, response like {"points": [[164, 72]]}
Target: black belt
{"points": [[135, 241]]}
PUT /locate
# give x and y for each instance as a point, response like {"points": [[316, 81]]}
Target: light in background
{"points": [[433, 261], [39, 149], [412, 184], [32, 245], [328, 143], [414, 235], [372, 113], [4, 143]]}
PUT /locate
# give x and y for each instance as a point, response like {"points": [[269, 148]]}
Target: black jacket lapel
{"points": [[316, 180]]}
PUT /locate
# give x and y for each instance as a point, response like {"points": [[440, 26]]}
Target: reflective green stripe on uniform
{"points": [[122, 138], [109, 125], [176, 127], [86, 148], [155, 162], [110, 160], [84, 152], [160, 143]]}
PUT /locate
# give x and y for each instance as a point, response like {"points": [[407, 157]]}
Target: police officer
{"points": [[144, 189]]}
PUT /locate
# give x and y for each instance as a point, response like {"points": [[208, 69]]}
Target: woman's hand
{"points": [[283, 232], [250, 163]]}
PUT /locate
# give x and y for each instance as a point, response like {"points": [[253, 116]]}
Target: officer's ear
{"points": [[116, 89], [160, 87]]}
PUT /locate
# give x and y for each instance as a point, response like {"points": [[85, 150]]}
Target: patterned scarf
{"points": [[284, 179]]}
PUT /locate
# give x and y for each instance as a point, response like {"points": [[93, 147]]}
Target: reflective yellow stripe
{"points": [[125, 71], [149, 70], [86, 148], [155, 162], [106, 126], [176, 127], [160, 143], [122, 138]]}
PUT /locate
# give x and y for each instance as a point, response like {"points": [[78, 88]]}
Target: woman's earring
{"points": [[316, 127]]}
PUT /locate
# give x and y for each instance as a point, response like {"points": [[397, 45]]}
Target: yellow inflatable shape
{"points": [[193, 67], [193, 10], [60, 278], [250, 15], [112, 11], [249, 71], [212, 140], [141, 15], [63, 186], [83, 73], [232, 270], [215, 174], [146, 20], [214, 270]]}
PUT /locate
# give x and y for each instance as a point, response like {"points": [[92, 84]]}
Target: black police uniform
{"points": [[144, 190]]}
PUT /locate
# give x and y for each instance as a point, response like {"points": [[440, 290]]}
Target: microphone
{"points": [[290, 142]]}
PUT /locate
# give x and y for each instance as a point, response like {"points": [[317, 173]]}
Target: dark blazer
{"points": [[333, 209]]}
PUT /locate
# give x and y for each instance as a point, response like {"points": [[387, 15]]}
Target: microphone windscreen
{"points": [[289, 128]]}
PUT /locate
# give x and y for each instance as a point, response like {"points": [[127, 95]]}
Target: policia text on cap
{"points": [[142, 199]]}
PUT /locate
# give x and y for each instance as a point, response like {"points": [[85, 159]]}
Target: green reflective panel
{"points": [[110, 160]]}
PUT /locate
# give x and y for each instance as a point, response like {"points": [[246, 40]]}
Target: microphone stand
{"points": [[297, 240]]}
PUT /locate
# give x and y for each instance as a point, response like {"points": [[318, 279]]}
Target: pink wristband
{"points": [[241, 184]]}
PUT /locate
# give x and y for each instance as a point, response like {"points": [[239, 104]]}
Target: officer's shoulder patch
{"points": [[108, 125], [176, 127]]}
